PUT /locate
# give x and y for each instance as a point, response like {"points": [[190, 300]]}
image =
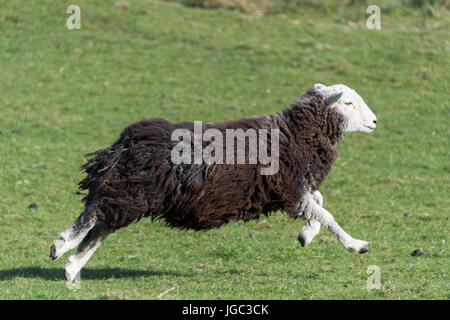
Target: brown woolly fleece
{"points": [[136, 178]]}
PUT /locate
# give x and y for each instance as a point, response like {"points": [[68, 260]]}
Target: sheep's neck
{"points": [[310, 120]]}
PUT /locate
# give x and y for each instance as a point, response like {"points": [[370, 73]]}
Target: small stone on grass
{"points": [[417, 252], [33, 206]]}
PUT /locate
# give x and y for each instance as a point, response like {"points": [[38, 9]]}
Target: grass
{"points": [[65, 93]]}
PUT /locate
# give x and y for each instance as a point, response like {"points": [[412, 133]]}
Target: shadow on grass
{"points": [[57, 274]]}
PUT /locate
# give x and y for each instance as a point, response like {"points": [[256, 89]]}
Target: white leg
{"points": [[84, 252], [312, 227], [70, 238], [313, 211]]}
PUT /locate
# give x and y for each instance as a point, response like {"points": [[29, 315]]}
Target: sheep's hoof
{"points": [[58, 248], [302, 240], [55, 249], [70, 276], [73, 280], [364, 250], [358, 246], [306, 235], [53, 255]]}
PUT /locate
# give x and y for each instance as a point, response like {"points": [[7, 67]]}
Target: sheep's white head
{"points": [[359, 118]]}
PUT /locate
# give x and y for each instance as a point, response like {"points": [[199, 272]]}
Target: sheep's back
{"points": [[135, 177]]}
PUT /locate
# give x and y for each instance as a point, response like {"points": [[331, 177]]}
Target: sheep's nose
{"points": [[374, 121]]}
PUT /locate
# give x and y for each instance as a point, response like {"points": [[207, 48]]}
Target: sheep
{"points": [[136, 177]]}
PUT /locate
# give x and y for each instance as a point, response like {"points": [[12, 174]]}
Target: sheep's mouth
{"points": [[371, 127]]}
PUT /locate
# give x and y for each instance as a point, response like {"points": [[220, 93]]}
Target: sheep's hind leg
{"points": [[85, 250], [70, 238], [315, 212], [312, 227]]}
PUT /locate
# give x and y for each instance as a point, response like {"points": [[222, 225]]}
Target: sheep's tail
{"points": [[99, 167], [117, 201]]}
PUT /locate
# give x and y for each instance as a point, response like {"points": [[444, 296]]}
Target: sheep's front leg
{"points": [[313, 211], [85, 250], [312, 227], [70, 238]]}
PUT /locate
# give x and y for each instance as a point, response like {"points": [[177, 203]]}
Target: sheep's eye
{"points": [[348, 103]]}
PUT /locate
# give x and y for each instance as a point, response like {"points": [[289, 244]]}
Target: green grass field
{"points": [[65, 93]]}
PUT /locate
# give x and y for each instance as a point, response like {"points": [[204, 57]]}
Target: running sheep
{"points": [[138, 177]]}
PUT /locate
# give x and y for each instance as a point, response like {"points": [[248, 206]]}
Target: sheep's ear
{"points": [[333, 98], [319, 86]]}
